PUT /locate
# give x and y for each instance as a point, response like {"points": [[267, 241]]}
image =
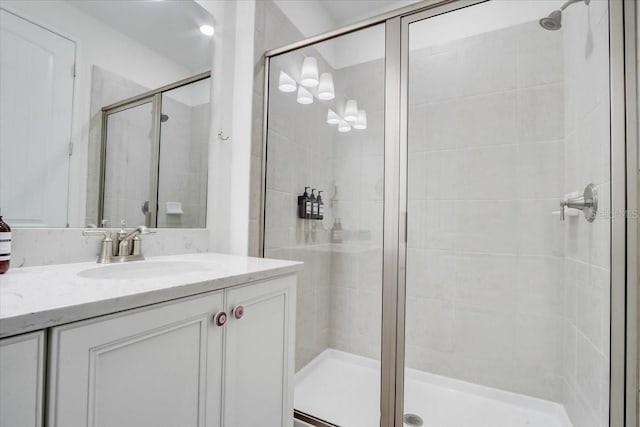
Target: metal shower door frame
{"points": [[624, 198], [156, 109]]}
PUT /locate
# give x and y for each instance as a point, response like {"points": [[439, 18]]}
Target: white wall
{"points": [[232, 98]]}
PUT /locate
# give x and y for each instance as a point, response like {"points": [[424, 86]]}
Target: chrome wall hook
{"points": [[221, 136]]}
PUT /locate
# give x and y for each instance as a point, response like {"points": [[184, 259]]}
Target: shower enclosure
{"points": [[472, 165], [153, 156]]}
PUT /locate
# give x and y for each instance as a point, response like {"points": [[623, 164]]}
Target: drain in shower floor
{"points": [[412, 420]]}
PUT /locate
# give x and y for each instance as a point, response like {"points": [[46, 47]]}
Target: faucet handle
{"points": [[563, 203], [98, 232], [106, 248], [123, 223]]}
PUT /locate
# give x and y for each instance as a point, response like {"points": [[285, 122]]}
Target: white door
{"points": [[259, 354], [21, 380], [36, 96], [157, 366]]}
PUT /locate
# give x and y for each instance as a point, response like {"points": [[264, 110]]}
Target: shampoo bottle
{"points": [[5, 246], [320, 205], [314, 204], [304, 205]]}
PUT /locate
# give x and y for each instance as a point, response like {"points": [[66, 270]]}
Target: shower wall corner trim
{"points": [[390, 393], [632, 166]]}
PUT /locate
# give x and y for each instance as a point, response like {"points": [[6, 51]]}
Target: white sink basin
{"points": [[146, 269]]}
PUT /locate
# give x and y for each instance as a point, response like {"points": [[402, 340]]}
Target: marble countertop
{"points": [[35, 298]]}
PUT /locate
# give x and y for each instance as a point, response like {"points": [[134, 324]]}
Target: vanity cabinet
{"points": [[21, 380], [259, 354], [180, 363]]}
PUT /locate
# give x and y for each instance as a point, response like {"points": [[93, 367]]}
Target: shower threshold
{"points": [[343, 388]]}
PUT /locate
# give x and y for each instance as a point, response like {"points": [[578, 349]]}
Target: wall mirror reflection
{"points": [[105, 112]]}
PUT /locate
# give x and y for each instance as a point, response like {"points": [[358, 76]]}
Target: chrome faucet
{"points": [[587, 203], [128, 244]]}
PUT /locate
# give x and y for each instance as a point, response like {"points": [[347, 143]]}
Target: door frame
{"points": [[624, 198]]}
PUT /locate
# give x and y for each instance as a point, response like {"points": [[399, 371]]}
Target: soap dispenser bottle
{"points": [[320, 205], [304, 205], [5, 246], [314, 204]]}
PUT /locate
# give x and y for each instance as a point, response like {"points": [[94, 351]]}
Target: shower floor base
{"points": [[343, 389]]}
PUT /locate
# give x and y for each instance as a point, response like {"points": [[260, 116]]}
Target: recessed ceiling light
{"points": [[207, 30]]}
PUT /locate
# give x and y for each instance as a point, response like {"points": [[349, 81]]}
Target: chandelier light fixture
{"points": [[332, 117], [343, 126], [286, 83], [351, 111], [304, 96], [325, 89], [309, 76], [361, 121]]}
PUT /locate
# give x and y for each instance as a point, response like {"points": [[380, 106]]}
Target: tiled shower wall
{"points": [[485, 253], [184, 139], [338, 303], [356, 198], [300, 153], [585, 329]]}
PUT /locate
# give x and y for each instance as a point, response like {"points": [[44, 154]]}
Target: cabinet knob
{"points": [[238, 312], [220, 318]]}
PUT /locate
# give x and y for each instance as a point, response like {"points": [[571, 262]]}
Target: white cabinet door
{"points": [[21, 380], [155, 366], [259, 354]]}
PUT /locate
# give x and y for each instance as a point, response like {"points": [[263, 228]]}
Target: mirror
{"points": [[105, 112]]}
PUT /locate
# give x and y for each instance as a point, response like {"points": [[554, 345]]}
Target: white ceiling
{"points": [[171, 28], [345, 12]]}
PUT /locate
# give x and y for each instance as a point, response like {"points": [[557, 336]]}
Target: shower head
{"points": [[553, 22]]}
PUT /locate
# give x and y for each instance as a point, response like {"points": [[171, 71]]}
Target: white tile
{"points": [[429, 323], [540, 56], [540, 285], [590, 374], [489, 66], [486, 281], [540, 169], [487, 226], [483, 336], [569, 352], [541, 113], [539, 231], [488, 120], [431, 274]]}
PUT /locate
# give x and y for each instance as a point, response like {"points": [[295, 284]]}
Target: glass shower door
{"points": [[507, 300], [128, 150], [325, 140]]}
